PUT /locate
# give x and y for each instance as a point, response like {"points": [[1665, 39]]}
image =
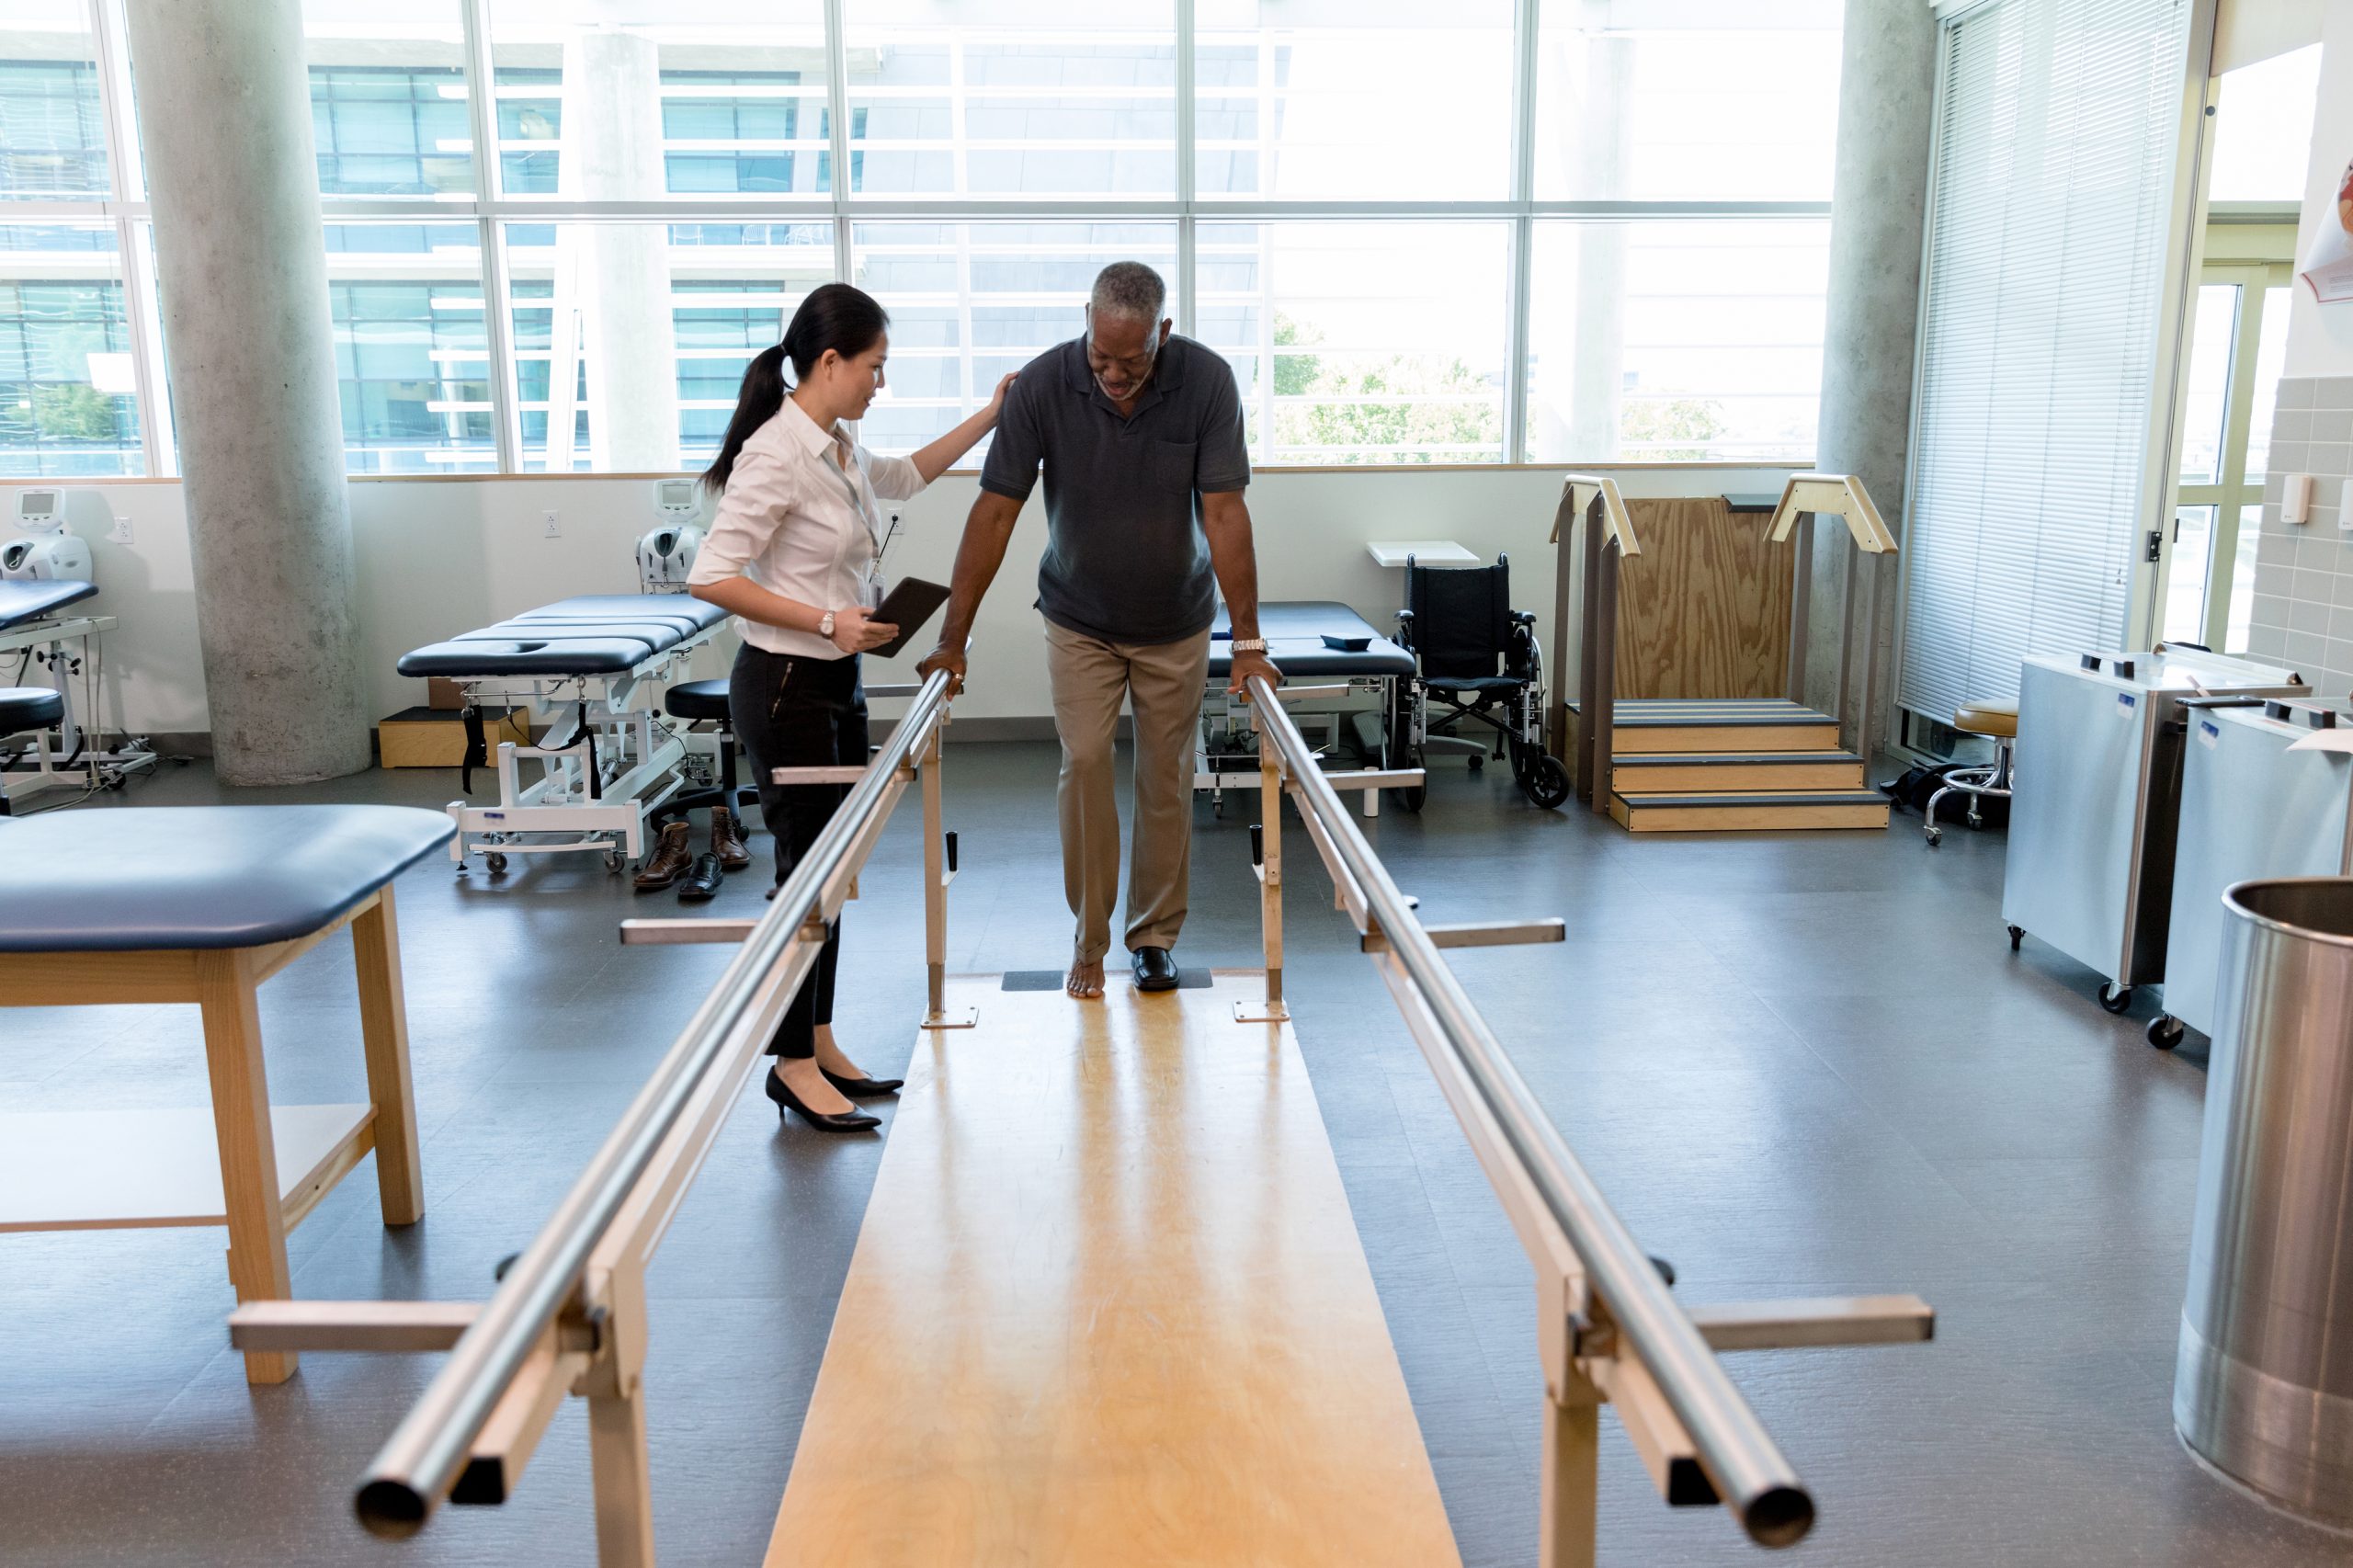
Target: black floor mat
{"points": [[1051, 979]]}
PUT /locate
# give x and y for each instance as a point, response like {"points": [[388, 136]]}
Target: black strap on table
{"points": [[588, 739], [477, 749]]}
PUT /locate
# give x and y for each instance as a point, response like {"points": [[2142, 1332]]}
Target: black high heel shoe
{"points": [[786, 1100], [862, 1088]]}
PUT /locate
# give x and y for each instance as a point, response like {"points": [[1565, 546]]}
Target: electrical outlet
{"points": [[549, 526], [121, 532]]}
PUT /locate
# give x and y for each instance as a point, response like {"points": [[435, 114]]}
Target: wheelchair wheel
{"points": [[1547, 783]]}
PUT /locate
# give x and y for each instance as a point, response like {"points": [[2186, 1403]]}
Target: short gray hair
{"points": [[1129, 288]]}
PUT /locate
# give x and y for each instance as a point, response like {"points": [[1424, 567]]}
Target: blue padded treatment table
{"points": [[200, 904], [1294, 631], [30, 601], [598, 635]]}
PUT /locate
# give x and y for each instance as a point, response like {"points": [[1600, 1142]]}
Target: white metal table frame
{"points": [[569, 808], [94, 769]]}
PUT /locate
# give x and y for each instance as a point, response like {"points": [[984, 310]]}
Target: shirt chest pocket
{"points": [[1172, 465]]}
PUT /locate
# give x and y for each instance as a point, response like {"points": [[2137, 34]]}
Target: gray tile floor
{"points": [[1798, 1063]]}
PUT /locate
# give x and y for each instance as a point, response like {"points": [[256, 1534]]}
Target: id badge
{"points": [[869, 588]]}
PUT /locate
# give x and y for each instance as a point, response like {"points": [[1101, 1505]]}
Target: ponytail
{"points": [[756, 403], [834, 316]]}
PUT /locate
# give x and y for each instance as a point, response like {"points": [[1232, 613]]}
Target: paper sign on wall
{"points": [[2328, 266]]}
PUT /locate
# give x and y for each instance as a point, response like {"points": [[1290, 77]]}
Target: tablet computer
{"points": [[906, 606]]}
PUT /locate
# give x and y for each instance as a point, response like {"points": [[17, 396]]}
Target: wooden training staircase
{"points": [[1701, 765], [1707, 764]]}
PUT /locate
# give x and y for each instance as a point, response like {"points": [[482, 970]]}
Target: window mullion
{"points": [[1523, 227], [1187, 311], [837, 129], [482, 100]]}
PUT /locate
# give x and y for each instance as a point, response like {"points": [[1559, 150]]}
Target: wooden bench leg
{"points": [[249, 1146], [383, 1025]]}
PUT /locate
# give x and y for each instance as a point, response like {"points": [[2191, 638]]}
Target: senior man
{"points": [[1140, 436]]}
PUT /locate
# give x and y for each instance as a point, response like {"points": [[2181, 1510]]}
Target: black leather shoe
{"points": [[786, 1100], [1155, 969], [701, 884], [862, 1088]]}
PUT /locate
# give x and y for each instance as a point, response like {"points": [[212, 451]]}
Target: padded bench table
{"points": [[593, 664], [201, 904], [1362, 678]]}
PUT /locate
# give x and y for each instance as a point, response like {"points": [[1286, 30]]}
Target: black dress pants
{"points": [[792, 712]]}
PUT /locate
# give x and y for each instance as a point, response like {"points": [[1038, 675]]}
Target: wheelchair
{"points": [[1475, 659]]}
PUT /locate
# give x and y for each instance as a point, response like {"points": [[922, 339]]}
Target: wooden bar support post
{"points": [[1270, 875], [1571, 1484], [258, 1268], [935, 876], [383, 1025]]}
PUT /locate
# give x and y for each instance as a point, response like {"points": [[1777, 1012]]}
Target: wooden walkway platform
{"points": [[1108, 1306]]}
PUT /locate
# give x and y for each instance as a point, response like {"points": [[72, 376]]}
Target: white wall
{"points": [[2319, 337], [444, 556]]}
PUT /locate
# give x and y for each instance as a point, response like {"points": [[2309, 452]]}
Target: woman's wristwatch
{"points": [[825, 624]]}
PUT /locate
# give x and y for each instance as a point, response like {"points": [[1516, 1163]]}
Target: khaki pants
{"points": [[1162, 683]]}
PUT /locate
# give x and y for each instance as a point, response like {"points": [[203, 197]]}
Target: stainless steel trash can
{"points": [[2263, 1387]]}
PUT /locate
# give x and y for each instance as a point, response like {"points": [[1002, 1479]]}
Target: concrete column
{"points": [[225, 116], [1886, 87], [612, 152]]}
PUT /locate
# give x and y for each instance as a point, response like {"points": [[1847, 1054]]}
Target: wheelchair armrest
{"points": [[1523, 617]]}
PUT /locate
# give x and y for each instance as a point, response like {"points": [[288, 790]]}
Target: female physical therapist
{"points": [[795, 553]]}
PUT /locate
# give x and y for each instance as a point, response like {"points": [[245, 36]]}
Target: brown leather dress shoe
{"points": [[673, 857], [727, 840]]}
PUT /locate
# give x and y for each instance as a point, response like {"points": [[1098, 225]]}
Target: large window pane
{"points": [[1662, 100], [52, 126], [68, 390], [388, 97], [701, 99], [1380, 99], [1666, 342], [411, 353], [2214, 331], [969, 301], [2271, 359], [1071, 99], [631, 339], [1360, 343]]}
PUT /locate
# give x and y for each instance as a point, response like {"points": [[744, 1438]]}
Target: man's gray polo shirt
{"points": [[1126, 559]]}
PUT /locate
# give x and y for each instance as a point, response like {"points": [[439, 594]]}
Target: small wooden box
{"points": [[435, 737]]}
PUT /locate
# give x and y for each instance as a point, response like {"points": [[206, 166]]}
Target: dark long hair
{"points": [[835, 316]]}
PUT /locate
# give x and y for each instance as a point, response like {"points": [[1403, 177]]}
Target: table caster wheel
{"points": [[2018, 934], [2164, 1033], [1477, 760], [494, 863], [2115, 999], [613, 861]]}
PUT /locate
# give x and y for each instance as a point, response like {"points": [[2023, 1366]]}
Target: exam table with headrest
{"points": [[1315, 643], [595, 665]]}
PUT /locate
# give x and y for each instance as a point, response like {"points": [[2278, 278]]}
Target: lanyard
{"points": [[872, 577]]}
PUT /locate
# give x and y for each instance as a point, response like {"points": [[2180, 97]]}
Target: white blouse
{"points": [[795, 522]]}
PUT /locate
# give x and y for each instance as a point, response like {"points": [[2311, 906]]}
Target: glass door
{"points": [[2238, 339]]}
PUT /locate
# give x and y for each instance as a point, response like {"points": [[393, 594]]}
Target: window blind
{"points": [[2054, 168]]}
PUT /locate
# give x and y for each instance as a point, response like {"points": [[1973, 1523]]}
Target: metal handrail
{"points": [[422, 1460], [1731, 1444]]}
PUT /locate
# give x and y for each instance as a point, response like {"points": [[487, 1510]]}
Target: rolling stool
{"points": [[695, 700], [28, 708], [1999, 722]]}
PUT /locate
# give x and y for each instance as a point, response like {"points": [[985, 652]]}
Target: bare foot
{"points": [[1086, 977], [830, 1058], [801, 1075]]}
